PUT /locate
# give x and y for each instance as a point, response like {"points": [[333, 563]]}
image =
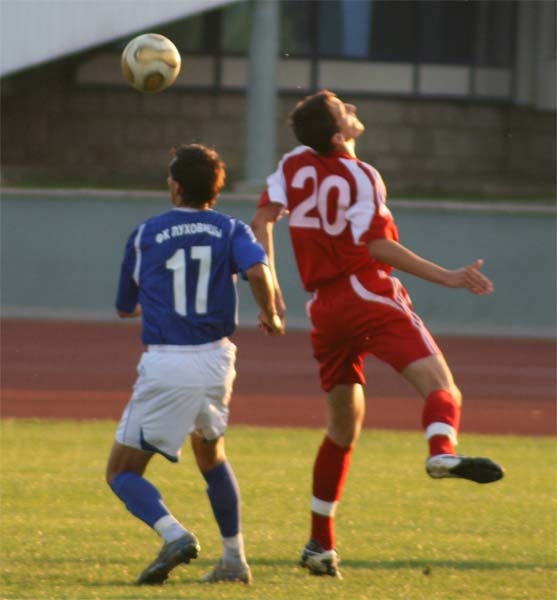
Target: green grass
{"points": [[401, 535]]}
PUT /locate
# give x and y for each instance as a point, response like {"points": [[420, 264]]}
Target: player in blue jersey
{"points": [[179, 273]]}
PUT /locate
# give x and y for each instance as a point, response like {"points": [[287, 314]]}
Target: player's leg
{"points": [[346, 409], [158, 416], [208, 446], [397, 335], [341, 376], [124, 474], [433, 380], [224, 496]]}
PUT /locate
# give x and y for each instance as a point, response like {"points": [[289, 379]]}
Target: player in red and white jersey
{"points": [[346, 245], [336, 204]]}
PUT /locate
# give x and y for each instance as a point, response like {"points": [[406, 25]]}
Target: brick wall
{"points": [[57, 132]]}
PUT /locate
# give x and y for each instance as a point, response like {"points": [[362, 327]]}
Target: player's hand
{"points": [[471, 279], [271, 324], [136, 312]]}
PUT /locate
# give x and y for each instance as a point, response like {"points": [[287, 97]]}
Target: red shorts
{"points": [[349, 321]]}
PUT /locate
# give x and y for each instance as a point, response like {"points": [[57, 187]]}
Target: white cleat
{"points": [[239, 571]]}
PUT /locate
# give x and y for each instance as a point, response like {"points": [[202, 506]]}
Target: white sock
{"points": [[234, 548], [169, 528]]}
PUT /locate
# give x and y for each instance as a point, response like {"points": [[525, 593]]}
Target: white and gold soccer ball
{"points": [[150, 62]]}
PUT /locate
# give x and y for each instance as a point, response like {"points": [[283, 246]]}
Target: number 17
{"points": [[177, 264]]}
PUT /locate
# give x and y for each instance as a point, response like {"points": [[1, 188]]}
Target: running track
{"points": [[61, 369]]}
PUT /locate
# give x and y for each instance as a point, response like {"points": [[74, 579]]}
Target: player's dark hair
{"points": [[313, 122], [199, 171]]}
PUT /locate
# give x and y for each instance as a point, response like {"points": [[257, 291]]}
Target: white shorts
{"points": [[179, 389]]}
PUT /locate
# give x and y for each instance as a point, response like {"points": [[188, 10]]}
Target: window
{"points": [[495, 32], [190, 35], [445, 31], [344, 28], [236, 27], [393, 31], [297, 29], [456, 32]]}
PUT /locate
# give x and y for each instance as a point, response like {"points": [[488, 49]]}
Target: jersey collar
{"points": [[188, 209], [339, 154]]}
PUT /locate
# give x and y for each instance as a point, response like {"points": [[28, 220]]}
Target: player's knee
{"points": [[344, 439], [109, 475], [345, 436], [208, 453], [211, 458], [111, 472], [456, 394]]}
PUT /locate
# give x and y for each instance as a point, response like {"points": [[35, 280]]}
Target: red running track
{"points": [[62, 369]]}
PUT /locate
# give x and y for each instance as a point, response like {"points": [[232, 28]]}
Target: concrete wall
{"points": [[60, 257], [57, 131]]}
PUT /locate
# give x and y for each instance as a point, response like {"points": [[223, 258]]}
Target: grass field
{"points": [[400, 534]]}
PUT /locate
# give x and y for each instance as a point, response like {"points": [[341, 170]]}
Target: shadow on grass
{"points": [[459, 565], [183, 576], [421, 564], [389, 565]]}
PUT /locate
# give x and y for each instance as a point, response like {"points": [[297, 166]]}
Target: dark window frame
{"points": [[212, 45]]}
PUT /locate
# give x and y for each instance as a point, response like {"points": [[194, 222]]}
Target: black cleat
{"points": [[320, 562], [480, 470]]}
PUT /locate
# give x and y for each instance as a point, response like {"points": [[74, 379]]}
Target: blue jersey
{"points": [[181, 268]]}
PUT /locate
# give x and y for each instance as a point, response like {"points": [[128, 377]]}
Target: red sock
{"points": [[441, 421], [440, 444], [329, 474]]}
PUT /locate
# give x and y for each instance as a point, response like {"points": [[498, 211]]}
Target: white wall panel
{"points": [[36, 31], [365, 76], [495, 83], [105, 68], [444, 80]]}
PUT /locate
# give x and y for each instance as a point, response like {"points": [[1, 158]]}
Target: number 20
{"points": [[177, 264], [318, 199]]}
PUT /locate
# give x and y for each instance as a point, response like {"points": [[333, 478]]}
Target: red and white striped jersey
{"points": [[336, 204]]}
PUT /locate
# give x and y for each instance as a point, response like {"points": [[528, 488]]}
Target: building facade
{"points": [[458, 97]]}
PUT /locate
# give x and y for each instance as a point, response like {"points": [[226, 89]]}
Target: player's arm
{"points": [[136, 312], [262, 225], [127, 306], [398, 256], [261, 283]]}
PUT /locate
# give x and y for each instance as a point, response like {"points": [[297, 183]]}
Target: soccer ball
{"points": [[150, 62]]}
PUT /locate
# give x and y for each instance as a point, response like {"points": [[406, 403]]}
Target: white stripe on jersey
{"points": [[232, 229], [399, 304], [379, 187], [137, 246], [360, 214], [365, 294], [310, 302], [276, 182], [233, 223], [418, 323]]}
